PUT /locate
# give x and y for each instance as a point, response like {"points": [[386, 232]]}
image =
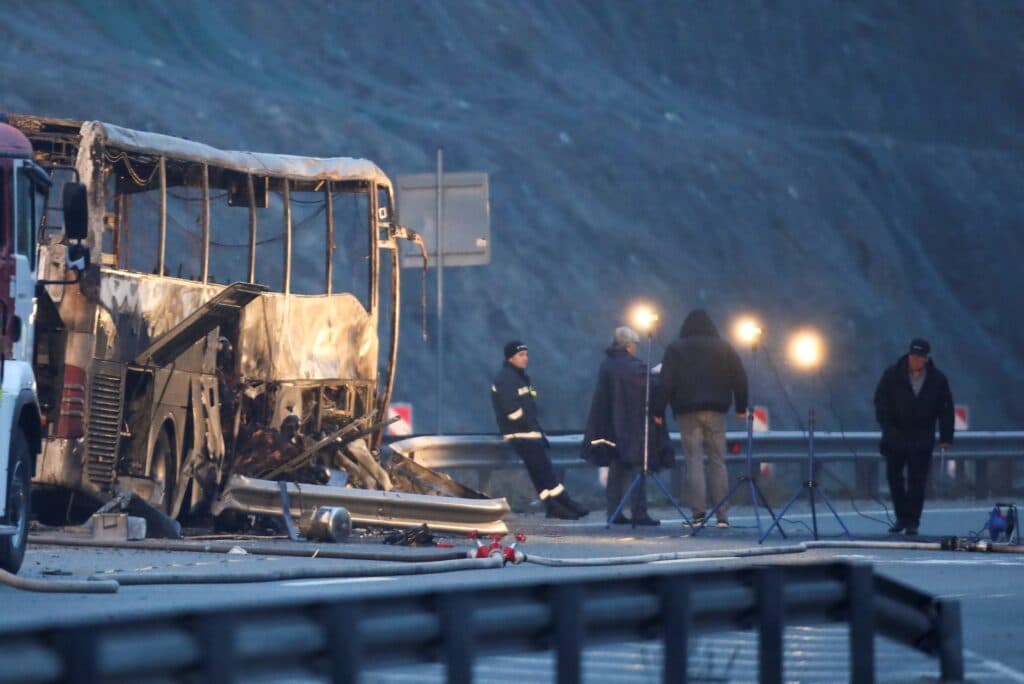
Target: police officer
{"points": [[911, 396], [515, 410]]}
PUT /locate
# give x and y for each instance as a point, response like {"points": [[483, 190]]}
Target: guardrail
{"points": [[486, 453], [337, 639]]}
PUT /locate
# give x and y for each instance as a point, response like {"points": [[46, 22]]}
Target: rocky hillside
{"points": [[853, 166]]}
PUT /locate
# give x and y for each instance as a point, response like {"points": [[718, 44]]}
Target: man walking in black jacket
{"points": [[701, 377], [515, 410], [911, 396]]}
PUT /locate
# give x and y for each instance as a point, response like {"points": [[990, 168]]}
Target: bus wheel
{"points": [[162, 472], [12, 547]]}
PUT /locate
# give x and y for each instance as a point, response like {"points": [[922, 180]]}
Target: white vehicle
{"points": [[24, 188]]}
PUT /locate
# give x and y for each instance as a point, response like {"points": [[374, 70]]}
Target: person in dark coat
{"points": [[615, 428], [910, 398], [701, 376], [515, 410]]}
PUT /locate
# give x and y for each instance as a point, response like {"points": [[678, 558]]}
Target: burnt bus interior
{"points": [[177, 396]]}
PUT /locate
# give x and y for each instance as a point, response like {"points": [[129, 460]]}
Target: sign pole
{"points": [[439, 252]]}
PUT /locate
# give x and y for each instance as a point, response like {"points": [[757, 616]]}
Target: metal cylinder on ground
{"points": [[328, 523]]}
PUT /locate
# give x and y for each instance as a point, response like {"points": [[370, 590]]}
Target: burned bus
{"points": [[227, 332]]}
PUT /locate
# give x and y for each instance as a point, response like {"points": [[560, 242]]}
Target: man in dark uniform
{"points": [[911, 396], [615, 428], [512, 396]]}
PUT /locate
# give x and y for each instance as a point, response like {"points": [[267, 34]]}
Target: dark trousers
{"points": [[908, 499], [535, 457], [619, 479]]}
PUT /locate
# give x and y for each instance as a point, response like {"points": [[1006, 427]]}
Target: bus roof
{"points": [[255, 163]]}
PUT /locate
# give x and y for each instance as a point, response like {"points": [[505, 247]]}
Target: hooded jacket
{"points": [[515, 410], [702, 372], [908, 421], [615, 424]]}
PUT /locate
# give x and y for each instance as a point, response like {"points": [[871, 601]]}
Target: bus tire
{"points": [[12, 547], [163, 471]]}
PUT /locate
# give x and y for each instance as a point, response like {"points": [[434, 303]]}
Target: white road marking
{"points": [[1009, 673], [335, 580]]}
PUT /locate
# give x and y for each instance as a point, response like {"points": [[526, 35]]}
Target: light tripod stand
{"points": [[646, 320], [749, 478], [812, 487]]}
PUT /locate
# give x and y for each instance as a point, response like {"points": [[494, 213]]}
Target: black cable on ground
{"points": [[822, 467], [842, 433], [321, 551]]}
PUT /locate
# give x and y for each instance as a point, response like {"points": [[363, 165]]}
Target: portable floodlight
{"points": [[806, 349], [644, 318], [747, 331], [807, 352]]}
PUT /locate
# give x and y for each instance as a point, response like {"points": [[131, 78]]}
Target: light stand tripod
{"points": [[811, 485], [641, 477], [748, 478]]}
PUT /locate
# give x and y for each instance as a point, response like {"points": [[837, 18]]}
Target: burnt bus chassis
{"points": [[153, 422]]}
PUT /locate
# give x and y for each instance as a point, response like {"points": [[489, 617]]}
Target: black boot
{"points": [[556, 509], [566, 501]]}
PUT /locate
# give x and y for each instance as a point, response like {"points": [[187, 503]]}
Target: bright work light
{"points": [[747, 331], [806, 349], [643, 317]]}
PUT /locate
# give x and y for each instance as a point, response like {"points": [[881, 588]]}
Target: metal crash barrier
{"points": [[487, 453], [335, 640]]}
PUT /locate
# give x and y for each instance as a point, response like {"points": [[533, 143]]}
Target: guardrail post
{"points": [[866, 473], [79, 654], [981, 488], [677, 481], [456, 614], [343, 643], [860, 587], [769, 589], [567, 612], [215, 636], [483, 479], [950, 641], [675, 626]]}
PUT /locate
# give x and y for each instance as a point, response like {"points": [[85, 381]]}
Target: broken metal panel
{"points": [[298, 337], [388, 509], [225, 307], [145, 307]]}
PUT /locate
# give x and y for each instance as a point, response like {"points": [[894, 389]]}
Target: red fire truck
{"points": [[24, 189]]}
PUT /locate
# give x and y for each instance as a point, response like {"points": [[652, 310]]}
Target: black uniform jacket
{"points": [[515, 408], [908, 422], [615, 424], [702, 372]]}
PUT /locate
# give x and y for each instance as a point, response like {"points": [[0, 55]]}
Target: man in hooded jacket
{"points": [[512, 397], [701, 376], [911, 396], [615, 427]]}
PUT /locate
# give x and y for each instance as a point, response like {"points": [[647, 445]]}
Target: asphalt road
{"points": [[987, 585]]}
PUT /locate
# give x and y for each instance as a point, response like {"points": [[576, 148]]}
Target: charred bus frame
{"points": [[159, 369]]}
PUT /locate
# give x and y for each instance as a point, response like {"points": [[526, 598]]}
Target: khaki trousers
{"points": [[704, 431]]}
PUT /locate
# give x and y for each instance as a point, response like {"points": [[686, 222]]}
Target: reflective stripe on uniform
{"points": [[599, 442], [516, 415], [524, 435], [554, 491]]}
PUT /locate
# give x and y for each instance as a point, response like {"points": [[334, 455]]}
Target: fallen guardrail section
{"points": [[366, 507], [337, 639]]}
